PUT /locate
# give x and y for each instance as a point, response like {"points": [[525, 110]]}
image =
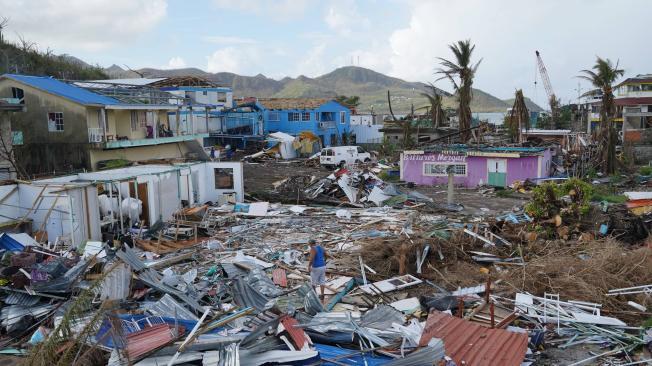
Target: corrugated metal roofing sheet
{"points": [[142, 342], [18, 298], [293, 103], [298, 336], [280, 277], [10, 244], [474, 345], [62, 89]]}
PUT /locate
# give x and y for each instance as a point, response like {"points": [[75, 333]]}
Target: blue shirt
{"points": [[319, 260]]}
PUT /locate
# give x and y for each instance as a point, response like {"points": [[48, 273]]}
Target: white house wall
{"points": [[9, 210], [206, 182], [68, 217]]}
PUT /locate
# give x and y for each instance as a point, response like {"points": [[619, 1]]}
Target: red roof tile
{"points": [[279, 277], [471, 344]]}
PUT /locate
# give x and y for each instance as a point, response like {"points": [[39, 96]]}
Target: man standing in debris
{"points": [[317, 266]]}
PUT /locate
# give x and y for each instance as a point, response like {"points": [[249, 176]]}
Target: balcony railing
{"points": [[95, 135], [325, 125]]}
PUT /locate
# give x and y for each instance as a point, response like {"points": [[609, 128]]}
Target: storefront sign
{"points": [[437, 157]]}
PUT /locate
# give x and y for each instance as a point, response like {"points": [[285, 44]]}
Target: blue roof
{"points": [[62, 89]]}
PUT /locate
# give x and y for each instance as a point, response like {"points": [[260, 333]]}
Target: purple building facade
{"points": [[485, 166]]}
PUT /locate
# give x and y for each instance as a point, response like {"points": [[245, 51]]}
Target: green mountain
{"points": [[533, 107], [26, 58], [369, 85]]}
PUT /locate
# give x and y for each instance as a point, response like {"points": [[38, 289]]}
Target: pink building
{"points": [[495, 166]]}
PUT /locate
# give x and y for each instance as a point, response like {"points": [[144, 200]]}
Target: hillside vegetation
{"points": [[369, 85], [26, 58]]}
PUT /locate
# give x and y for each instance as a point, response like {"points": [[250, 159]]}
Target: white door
{"points": [[497, 165]]}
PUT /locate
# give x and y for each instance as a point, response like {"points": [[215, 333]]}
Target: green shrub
{"points": [[645, 170], [546, 199]]}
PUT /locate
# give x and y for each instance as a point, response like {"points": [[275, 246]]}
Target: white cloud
{"points": [[343, 17], [240, 60], [175, 63], [276, 10], [81, 24], [228, 40], [507, 33], [314, 62]]}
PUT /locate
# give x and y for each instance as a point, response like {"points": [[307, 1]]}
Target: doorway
{"points": [[497, 172], [143, 197]]}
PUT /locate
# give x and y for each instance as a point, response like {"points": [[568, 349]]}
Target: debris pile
{"points": [[409, 281]]}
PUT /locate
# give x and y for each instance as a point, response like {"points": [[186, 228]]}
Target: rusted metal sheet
{"points": [[298, 336], [471, 344], [149, 339], [280, 278]]}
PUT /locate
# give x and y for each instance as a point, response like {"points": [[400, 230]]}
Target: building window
{"points": [[55, 121], [221, 97], [294, 116], [439, 169], [305, 116], [317, 116], [646, 87], [19, 94], [204, 92], [274, 116], [343, 117], [223, 178]]}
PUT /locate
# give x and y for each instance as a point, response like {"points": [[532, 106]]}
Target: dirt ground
{"points": [[260, 176]]}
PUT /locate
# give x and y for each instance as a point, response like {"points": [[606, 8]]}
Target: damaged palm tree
{"points": [[405, 124], [436, 112], [602, 76], [66, 344], [460, 73], [519, 117]]}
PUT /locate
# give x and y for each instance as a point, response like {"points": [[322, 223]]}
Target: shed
{"points": [[475, 166]]}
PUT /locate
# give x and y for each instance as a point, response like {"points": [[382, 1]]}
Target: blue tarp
{"points": [[10, 244], [335, 353]]}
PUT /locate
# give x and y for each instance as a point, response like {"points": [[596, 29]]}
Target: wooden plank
{"points": [[3, 199], [47, 215]]}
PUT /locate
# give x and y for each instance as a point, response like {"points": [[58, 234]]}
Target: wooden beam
{"points": [[47, 215], [31, 208], [3, 199]]}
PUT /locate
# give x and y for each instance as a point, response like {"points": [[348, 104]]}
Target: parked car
{"points": [[343, 155]]}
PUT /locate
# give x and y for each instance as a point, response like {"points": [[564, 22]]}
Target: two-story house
{"points": [[633, 97], [82, 125], [324, 117]]}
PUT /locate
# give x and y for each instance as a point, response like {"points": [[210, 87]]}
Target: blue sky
{"points": [[401, 38]]}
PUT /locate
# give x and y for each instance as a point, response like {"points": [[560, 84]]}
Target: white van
{"points": [[343, 155]]}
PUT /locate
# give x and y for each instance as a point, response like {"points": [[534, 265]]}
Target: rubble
{"points": [[410, 281]]}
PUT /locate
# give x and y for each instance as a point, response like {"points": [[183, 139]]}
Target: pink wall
{"points": [[517, 168]]}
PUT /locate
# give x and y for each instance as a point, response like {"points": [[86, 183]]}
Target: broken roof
{"points": [[293, 103], [96, 93], [480, 150], [468, 343]]}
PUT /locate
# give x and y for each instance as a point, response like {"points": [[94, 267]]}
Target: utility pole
{"points": [[579, 92]]}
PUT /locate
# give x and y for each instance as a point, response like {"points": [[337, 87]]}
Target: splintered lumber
{"points": [[165, 246]]}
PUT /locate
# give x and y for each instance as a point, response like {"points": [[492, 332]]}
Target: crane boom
{"points": [[544, 76], [552, 99]]}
